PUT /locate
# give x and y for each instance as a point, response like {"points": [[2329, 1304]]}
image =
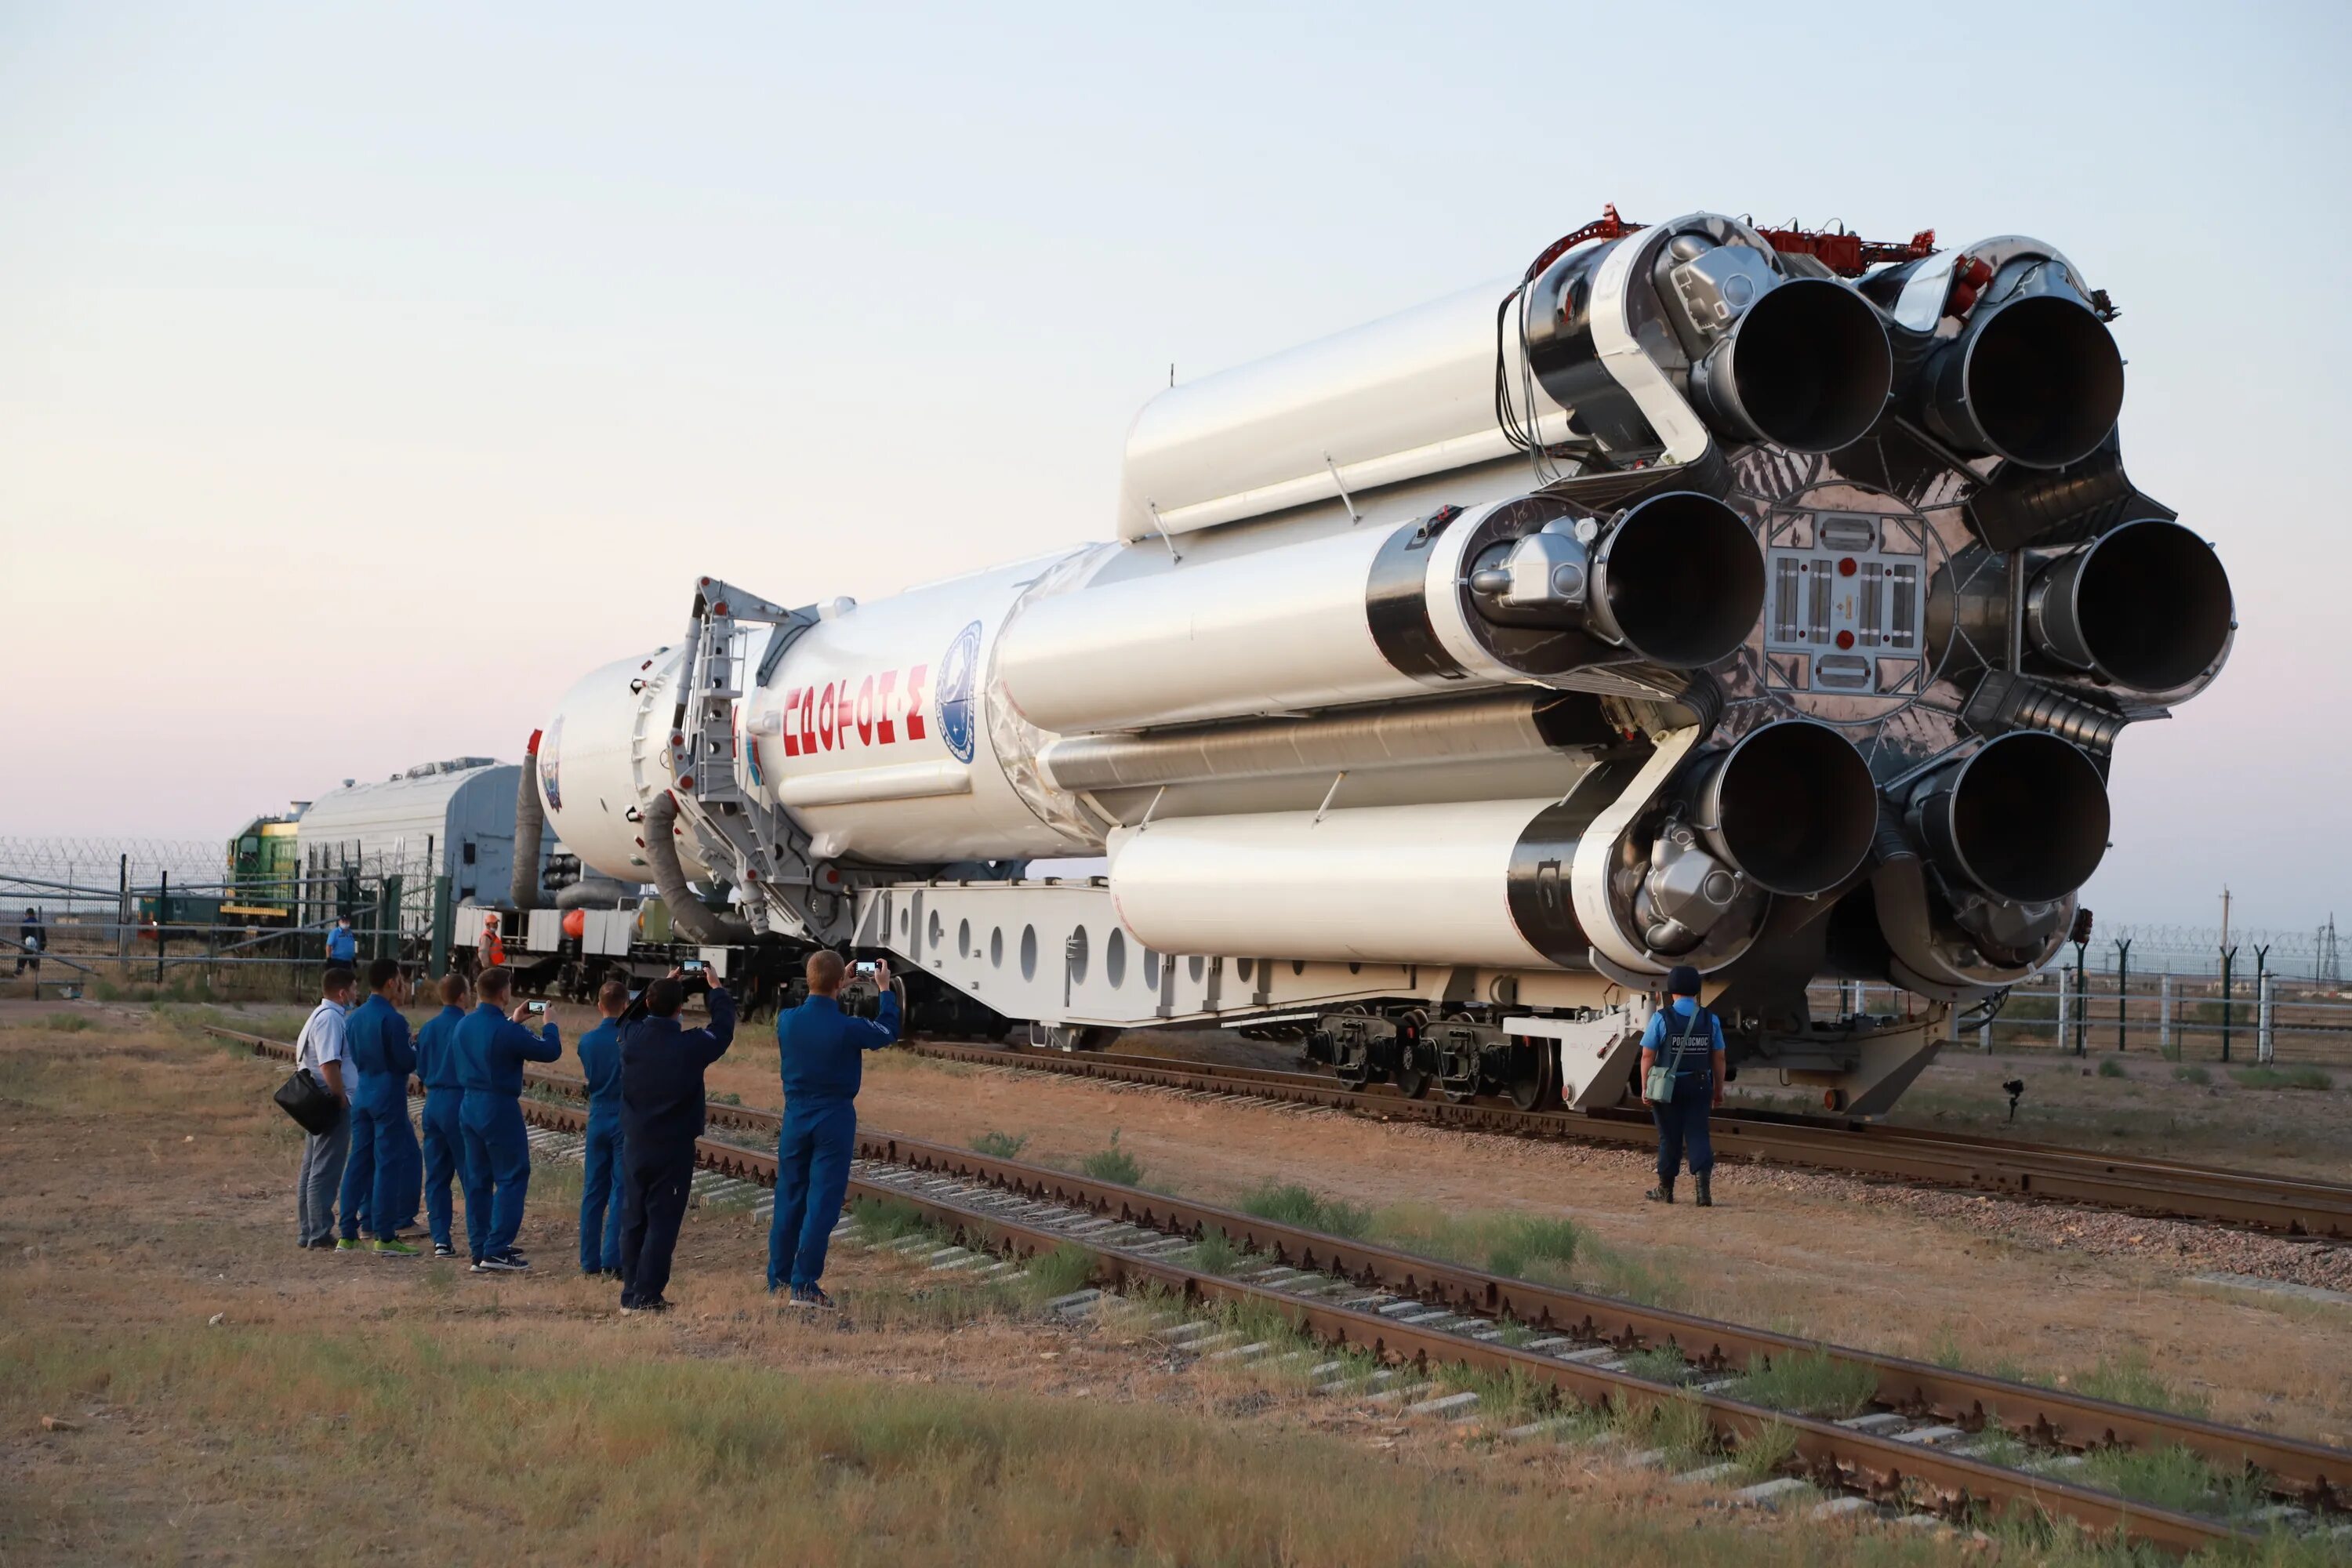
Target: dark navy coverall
{"points": [[375, 1044], [820, 1045], [445, 1139], [601, 1185], [491, 1049], [1682, 1120], [661, 1116]]}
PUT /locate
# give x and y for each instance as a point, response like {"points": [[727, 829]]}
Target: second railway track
{"points": [[2132, 1184], [1954, 1442]]}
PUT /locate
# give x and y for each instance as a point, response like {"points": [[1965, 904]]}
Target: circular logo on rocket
{"points": [[959, 670]]}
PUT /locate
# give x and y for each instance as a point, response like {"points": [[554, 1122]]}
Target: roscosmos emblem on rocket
{"points": [[959, 669]]}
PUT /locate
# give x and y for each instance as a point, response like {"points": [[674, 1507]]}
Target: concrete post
{"points": [[2265, 1043], [2164, 1016], [2066, 999]]}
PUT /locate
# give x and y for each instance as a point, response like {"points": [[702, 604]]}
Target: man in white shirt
{"points": [[321, 1049]]}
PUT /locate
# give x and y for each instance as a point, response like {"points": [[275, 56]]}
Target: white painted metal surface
{"points": [[874, 732], [1422, 883], [601, 757], [460, 824], [1405, 396]]}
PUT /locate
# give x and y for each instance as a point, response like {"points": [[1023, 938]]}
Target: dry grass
{"points": [[358, 1407]]}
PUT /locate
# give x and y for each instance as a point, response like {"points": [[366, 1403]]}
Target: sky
{"points": [[368, 373]]}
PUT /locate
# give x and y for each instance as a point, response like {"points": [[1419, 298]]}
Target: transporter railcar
{"points": [[1769, 601]]}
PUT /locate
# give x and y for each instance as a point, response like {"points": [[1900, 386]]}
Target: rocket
{"points": [[1768, 600]]}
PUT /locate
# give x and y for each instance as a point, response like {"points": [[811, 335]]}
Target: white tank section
{"points": [[1399, 398], [601, 759], [874, 733], [1425, 884], [1274, 630]]}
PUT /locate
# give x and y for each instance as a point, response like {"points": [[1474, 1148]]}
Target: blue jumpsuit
{"points": [[445, 1139], [1682, 1120], [662, 1064], [819, 1046], [491, 1049], [375, 1042], [602, 1184]]}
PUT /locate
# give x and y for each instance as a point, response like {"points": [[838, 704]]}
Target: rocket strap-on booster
{"points": [[1763, 600]]}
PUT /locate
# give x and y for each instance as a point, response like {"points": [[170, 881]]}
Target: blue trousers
{"points": [[660, 1181], [812, 1174], [497, 1170], [1682, 1126], [445, 1152], [376, 1174], [603, 1188]]}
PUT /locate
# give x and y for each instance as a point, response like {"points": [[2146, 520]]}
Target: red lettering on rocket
{"points": [[915, 700]]}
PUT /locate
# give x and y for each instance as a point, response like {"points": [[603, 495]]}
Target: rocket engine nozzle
{"points": [[2146, 606], [1678, 580], [1807, 367], [2037, 380], [2025, 819], [1791, 805]]}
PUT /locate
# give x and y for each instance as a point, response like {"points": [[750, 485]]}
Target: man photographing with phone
{"points": [[821, 1047], [662, 1064]]}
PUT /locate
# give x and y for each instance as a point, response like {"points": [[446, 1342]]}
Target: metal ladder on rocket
{"points": [[769, 853]]}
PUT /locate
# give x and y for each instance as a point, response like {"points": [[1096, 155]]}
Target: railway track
{"points": [[1950, 1442], [2170, 1189]]}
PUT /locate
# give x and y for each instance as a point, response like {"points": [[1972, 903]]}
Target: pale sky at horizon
{"points": [[367, 374]]}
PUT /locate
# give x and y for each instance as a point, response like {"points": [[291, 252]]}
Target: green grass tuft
{"points": [[1808, 1382], [66, 1023], [1051, 1274], [1679, 1425], [2131, 1379], [2195, 1074], [1215, 1253], [2171, 1478], [1525, 1240], [1289, 1203], [2110, 1067], [882, 1220], [1660, 1363], [2303, 1075], [1761, 1456], [1113, 1164], [999, 1145]]}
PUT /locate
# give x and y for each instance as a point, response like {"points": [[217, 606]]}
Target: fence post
{"points": [[1984, 1035], [387, 918], [443, 919], [2228, 953], [2164, 1016], [163, 922], [2064, 996], [2082, 999], [2265, 1043], [2123, 990], [123, 913]]}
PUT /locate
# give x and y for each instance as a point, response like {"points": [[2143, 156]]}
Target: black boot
{"points": [[1706, 1199], [1663, 1193]]}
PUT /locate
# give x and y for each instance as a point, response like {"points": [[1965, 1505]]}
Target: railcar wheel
{"points": [[1531, 1075]]}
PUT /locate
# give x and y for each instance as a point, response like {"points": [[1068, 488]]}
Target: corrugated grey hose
{"points": [[687, 912], [530, 818]]}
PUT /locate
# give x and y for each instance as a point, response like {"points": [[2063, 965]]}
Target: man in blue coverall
{"points": [[375, 1043], [1689, 1038], [820, 1045], [602, 1184], [445, 1137], [662, 1063], [491, 1049], [342, 943]]}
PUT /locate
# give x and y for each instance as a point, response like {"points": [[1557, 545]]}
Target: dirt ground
{"points": [[178, 1382], [1998, 1285]]}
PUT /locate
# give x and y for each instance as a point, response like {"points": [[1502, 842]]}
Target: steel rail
{"points": [[2154, 1186], [2315, 1475]]}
